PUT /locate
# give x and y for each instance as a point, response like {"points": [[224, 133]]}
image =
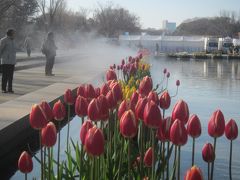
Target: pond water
{"points": [[206, 85]]}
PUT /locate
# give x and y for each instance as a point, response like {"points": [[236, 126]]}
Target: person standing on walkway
{"points": [[8, 59], [49, 50], [28, 45]]}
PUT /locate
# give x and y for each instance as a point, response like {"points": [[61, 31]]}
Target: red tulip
{"points": [[178, 133], [81, 91], [145, 86], [117, 92], [49, 135], [208, 154], [103, 107], [81, 106], [140, 106], [134, 98], [180, 111], [104, 89], [132, 69], [37, 117], [153, 96], [231, 130], [165, 100], [128, 124], [123, 61], [216, 124], [163, 133], [124, 106], [25, 164], [94, 141], [47, 110], [152, 115], [93, 110], [68, 97], [111, 75], [148, 157], [97, 92], [164, 71], [168, 74], [194, 173], [84, 129], [177, 83], [89, 92], [112, 102], [194, 126], [59, 111]]}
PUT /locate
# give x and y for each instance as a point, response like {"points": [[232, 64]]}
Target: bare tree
{"points": [[5, 5]]}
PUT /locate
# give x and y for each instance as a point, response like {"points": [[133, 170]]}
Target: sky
{"points": [[153, 12]]}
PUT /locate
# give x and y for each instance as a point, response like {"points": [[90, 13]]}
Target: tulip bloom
{"points": [[128, 124], [216, 124], [47, 110], [49, 135], [145, 86], [84, 129], [37, 117], [231, 130], [59, 111], [111, 75], [94, 141], [194, 126], [68, 97], [124, 106], [93, 110], [25, 164], [103, 107], [140, 106], [194, 173], [81, 106], [134, 98], [89, 92], [112, 102], [148, 157], [117, 92], [165, 100], [152, 115], [164, 71], [178, 133], [177, 83], [208, 154], [180, 111], [153, 96], [104, 89], [163, 133], [81, 91], [168, 74]]}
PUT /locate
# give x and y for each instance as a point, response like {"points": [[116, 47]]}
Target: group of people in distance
{"points": [[8, 51]]}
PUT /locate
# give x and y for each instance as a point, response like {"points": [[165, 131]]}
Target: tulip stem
{"points": [[168, 146], [129, 158], [141, 150], [58, 154], [214, 149], [163, 153], [193, 151], [68, 127], [230, 161], [179, 158], [208, 170], [41, 153], [175, 159], [25, 176], [120, 160], [153, 154], [49, 164]]}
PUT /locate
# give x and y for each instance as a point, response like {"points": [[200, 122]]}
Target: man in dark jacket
{"points": [[49, 49], [8, 60]]}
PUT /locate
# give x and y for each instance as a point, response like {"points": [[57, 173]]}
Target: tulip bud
{"points": [[145, 86], [84, 129], [165, 100], [104, 89], [134, 98], [123, 61], [97, 92], [231, 130], [111, 75], [194, 173], [81, 91], [81, 106], [49, 135], [37, 117], [25, 164], [94, 141], [114, 66], [59, 111], [177, 83], [208, 154], [68, 97], [130, 59], [140, 106], [194, 126], [153, 96], [164, 71], [180, 111], [93, 110], [216, 124], [140, 56], [128, 124], [163, 132], [124, 106], [168, 74], [112, 102], [178, 133], [103, 107], [152, 115], [47, 110], [89, 92], [148, 157]]}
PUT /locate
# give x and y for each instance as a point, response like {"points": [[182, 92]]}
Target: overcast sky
{"points": [[153, 12]]}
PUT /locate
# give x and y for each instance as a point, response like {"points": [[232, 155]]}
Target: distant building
{"points": [[169, 26]]}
